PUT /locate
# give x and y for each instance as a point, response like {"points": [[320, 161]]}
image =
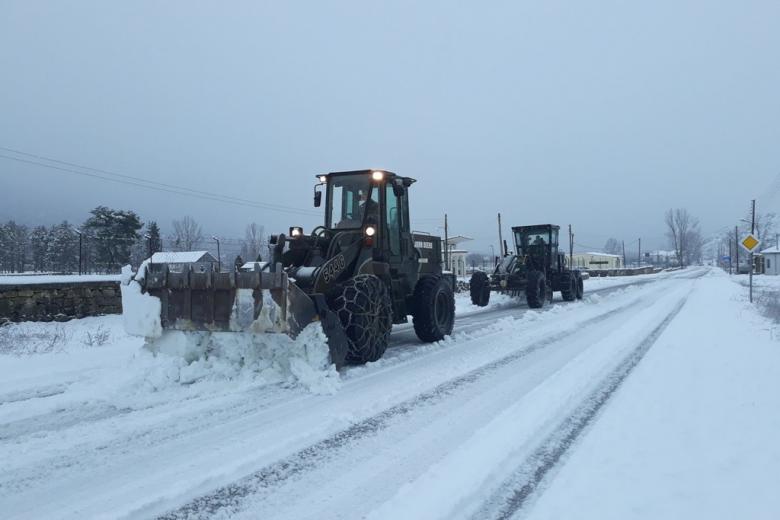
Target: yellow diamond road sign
{"points": [[750, 243]]}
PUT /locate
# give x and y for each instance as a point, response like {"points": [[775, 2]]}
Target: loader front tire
{"points": [[366, 312], [434, 309], [536, 289], [479, 287]]}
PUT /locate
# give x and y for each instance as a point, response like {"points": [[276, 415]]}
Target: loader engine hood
{"points": [[317, 263]]}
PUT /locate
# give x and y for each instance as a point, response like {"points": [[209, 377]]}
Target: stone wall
{"points": [[58, 301]]}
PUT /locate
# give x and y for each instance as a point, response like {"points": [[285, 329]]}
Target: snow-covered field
{"points": [[654, 397]]}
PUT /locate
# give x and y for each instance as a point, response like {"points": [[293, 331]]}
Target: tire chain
{"points": [[365, 311]]}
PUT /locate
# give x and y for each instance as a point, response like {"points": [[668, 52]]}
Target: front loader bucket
{"points": [[245, 301]]}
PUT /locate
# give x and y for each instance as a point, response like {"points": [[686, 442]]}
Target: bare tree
{"points": [[765, 226], [681, 228], [671, 232], [612, 246], [694, 245], [186, 234], [254, 239], [474, 259]]}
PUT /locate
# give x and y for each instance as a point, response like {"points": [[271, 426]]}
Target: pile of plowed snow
{"points": [[189, 357], [184, 358]]}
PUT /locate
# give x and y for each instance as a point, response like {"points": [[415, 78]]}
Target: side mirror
{"points": [[317, 197], [398, 190]]}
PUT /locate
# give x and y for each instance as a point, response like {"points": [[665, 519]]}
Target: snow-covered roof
{"points": [[251, 266], [457, 239], [181, 257], [771, 250], [600, 254]]}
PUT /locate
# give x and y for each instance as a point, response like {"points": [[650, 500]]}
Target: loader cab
{"points": [[367, 217], [538, 245], [372, 201]]}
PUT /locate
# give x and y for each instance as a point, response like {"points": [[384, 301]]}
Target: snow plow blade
{"points": [[255, 302]]}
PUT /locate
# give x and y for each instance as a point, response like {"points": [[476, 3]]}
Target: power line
{"points": [[148, 184]]}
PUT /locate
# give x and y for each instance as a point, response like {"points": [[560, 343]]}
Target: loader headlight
{"points": [[296, 231], [377, 175], [323, 178], [370, 231]]}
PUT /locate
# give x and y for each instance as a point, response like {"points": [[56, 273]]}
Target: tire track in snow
{"points": [[48, 425], [59, 420], [228, 499], [514, 493], [34, 393]]}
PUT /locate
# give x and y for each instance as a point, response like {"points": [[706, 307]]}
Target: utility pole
{"points": [[571, 248], [639, 259], [81, 264], [736, 247], [500, 238], [219, 256], [446, 245], [752, 230], [624, 252], [729, 256]]}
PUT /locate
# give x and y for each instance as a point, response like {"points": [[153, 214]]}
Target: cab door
{"points": [[398, 245]]}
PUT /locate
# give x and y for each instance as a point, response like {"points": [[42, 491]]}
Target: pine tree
{"points": [[39, 243], [4, 250], [15, 244], [113, 233], [62, 253], [153, 230]]}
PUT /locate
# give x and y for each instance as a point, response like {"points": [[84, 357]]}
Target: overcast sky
{"points": [[598, 114]]}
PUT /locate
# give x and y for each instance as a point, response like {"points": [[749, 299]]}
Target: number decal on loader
{"points": [[332, 269]]}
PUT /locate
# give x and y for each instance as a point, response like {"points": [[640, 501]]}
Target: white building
{"points": [[456, 257], [201, 261], [771, 260], [597, 261]]}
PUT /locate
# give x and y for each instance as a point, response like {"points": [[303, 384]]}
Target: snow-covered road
{"points": [[472, 427]]}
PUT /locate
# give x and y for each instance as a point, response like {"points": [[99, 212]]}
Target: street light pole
{"points": [[80, 248], [149, 238], [639, 258]]}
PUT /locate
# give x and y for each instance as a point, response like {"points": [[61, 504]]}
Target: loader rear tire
{"points": [[479, 287], [580, 287], [536, 289], [434, 309], [366, 312], [569, 288]]}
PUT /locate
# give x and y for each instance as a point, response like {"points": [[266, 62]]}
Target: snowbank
{"points": [[188, 357], [140, 311], [693, 432]]}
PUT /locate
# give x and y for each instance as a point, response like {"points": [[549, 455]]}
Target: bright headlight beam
{"points": [[370, 231], [377, 175]]}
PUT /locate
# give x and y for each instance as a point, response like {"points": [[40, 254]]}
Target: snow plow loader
{"points": [[358, 274]]}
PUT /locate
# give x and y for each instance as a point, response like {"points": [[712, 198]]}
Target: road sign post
{"points": [[750, 243]]}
